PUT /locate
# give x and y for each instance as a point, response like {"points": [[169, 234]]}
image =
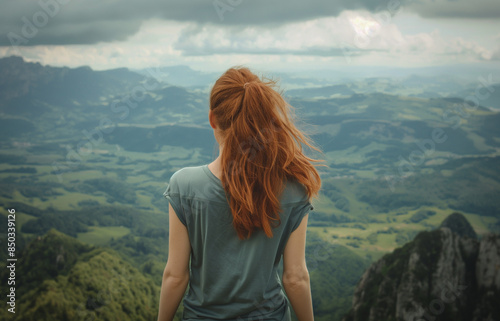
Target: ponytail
{"points": [[261, 149]]}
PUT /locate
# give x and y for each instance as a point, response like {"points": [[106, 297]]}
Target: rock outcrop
{"points": [[459, 224], [440, 275]]}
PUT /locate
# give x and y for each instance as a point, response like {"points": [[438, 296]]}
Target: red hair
{"points": [[262, 148]]}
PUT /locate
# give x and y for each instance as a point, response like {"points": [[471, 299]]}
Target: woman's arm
{"points": [[295, 275], [176, 273]]}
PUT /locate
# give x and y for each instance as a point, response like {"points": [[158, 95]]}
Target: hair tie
{"points": [[245, 85]]}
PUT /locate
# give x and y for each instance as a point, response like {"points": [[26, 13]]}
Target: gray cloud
{"points": [[477, 9], [28, 22], [91, 21]]}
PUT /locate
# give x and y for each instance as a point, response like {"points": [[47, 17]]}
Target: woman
{"points": [[234, 218]]}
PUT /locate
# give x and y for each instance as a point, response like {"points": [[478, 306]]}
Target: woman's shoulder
{"points": [[186, 176], [197, 182], [188, 171], [294, 192]]}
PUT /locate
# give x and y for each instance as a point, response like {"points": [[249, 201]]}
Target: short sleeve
{"points": [[299, 212], [173, 195]]}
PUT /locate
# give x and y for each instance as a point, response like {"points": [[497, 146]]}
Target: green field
{"points": [[365, 232], [102, 235]]}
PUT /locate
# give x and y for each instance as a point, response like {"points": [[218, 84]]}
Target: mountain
{"points": [[413, 85], [458, 224], [324, 92], [42, 103], [60, 278], [490, 93], [184, 76], [440, 275], [23, 83]]}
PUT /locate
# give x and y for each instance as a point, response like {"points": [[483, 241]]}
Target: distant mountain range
{"points": [[358, 125], [88, 154], [65, 100]]}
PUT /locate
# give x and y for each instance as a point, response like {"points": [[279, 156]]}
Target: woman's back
{"points": [[231, 278], [231, 221]]}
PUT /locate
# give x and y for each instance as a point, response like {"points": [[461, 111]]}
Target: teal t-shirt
{"points": [[231, 279]]}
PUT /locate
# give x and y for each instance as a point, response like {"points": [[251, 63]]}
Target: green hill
{"points": [[60, 278], [334, 272]]}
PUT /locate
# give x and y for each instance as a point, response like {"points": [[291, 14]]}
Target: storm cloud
{"points": [[61, 22]]}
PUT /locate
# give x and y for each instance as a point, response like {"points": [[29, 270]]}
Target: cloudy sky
{"points": [[281, 35]]}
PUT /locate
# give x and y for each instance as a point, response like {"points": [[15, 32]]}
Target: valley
{"points": [[89, 154]]}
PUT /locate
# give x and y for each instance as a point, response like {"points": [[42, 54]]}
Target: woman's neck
{"points": [[216, 167]]}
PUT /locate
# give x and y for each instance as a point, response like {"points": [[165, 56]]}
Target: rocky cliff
{"points": [[440, 275]]}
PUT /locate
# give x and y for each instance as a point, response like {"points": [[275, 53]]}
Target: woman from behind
{"points": [[231, 221]]}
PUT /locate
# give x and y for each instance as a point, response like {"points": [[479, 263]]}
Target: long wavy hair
{"points": [[261, 148]]}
